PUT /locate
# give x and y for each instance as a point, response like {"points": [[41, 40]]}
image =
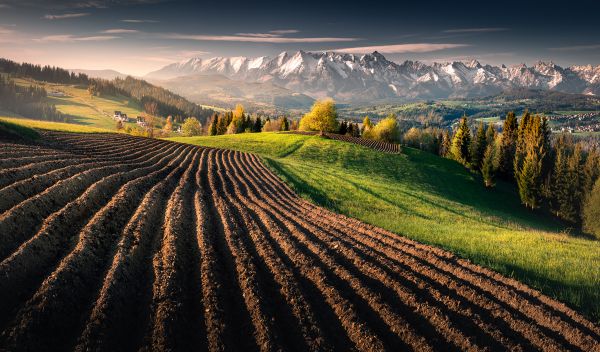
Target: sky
{"points": [[139, 36]]}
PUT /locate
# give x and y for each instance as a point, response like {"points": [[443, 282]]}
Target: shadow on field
{"points": [[300, 186]]}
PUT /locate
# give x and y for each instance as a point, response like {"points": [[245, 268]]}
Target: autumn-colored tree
{"points": [[191, 127], [322, 117]]}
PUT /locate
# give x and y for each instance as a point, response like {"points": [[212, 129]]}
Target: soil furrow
{"points": [[115, 323], [177, 314], [63, 297], [295, 312]]}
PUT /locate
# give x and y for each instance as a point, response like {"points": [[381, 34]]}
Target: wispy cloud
{"points": [[5, 6], [65, 16], [257, 38], [476, 30], [81, 4], [577, 47], [65, 38], [285, 31], [401, 48], [138, 21], [120, 31]]}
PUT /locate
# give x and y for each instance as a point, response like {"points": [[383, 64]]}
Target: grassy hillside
{"points": [[435, 201], [84, 109], [24, 124]]}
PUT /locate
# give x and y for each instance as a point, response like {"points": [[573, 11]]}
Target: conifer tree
{"points": [[445, 144], [558, 177], [521, 143], [343, 128], [506, 148], [531, 153], [355, 130], [527, 180], [257, 127], [591, 171], [461, 142], [591, 211], [285, 124], [490, 134], [478, 147], [212, 129], [350, 129], [489, 165]]}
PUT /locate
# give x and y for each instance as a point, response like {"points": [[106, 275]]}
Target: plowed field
{"points": [[110, 242]]}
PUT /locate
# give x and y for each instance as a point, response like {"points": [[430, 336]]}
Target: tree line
{"points": [[27, 101], [559, 174]]}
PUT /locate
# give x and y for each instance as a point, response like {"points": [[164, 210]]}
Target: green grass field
{"points": [[435, 201], [30, 124], [84, 109]]}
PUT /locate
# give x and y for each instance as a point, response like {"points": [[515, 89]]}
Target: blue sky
{"points": [[137, 36]]}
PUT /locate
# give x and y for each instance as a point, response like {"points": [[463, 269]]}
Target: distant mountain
{"points": [[353, 78], [216, 89], [103, 74]]}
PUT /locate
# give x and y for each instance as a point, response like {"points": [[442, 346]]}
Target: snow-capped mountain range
{"points": [[354, 78]]}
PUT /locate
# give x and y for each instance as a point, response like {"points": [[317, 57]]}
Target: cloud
{"points": [[577, 47], [139, 21], [284, 31], [400, 48], [120, 31], [5, 6], [257, 38], [66, 38], [475, 30], [65, 16], [81, 4]]}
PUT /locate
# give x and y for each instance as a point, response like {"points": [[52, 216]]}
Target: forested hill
{"points": [[142, 92]]}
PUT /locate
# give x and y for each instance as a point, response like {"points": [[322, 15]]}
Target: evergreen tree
{"points": [[558, 178], [212, 129], [350, 129], [489, 165], [521, 144], [506, 149], [529, 161], [355, 130], [490, 134], [343, 128], [257, 124], [461, 142], [478, 147], [591, 211], [527, 180], [591, 170], [285, 124], [446, 144]]}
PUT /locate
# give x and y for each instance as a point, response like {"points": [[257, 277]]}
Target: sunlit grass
{"points": [[53, 126], [435, 201]]}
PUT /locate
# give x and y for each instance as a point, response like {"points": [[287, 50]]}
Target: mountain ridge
{"points": [[352, 78]]}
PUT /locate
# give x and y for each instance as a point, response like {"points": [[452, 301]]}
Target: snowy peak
{"points": [[349, 77]]}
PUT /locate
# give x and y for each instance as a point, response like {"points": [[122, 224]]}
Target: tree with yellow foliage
{"points": [[322, 117]]}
